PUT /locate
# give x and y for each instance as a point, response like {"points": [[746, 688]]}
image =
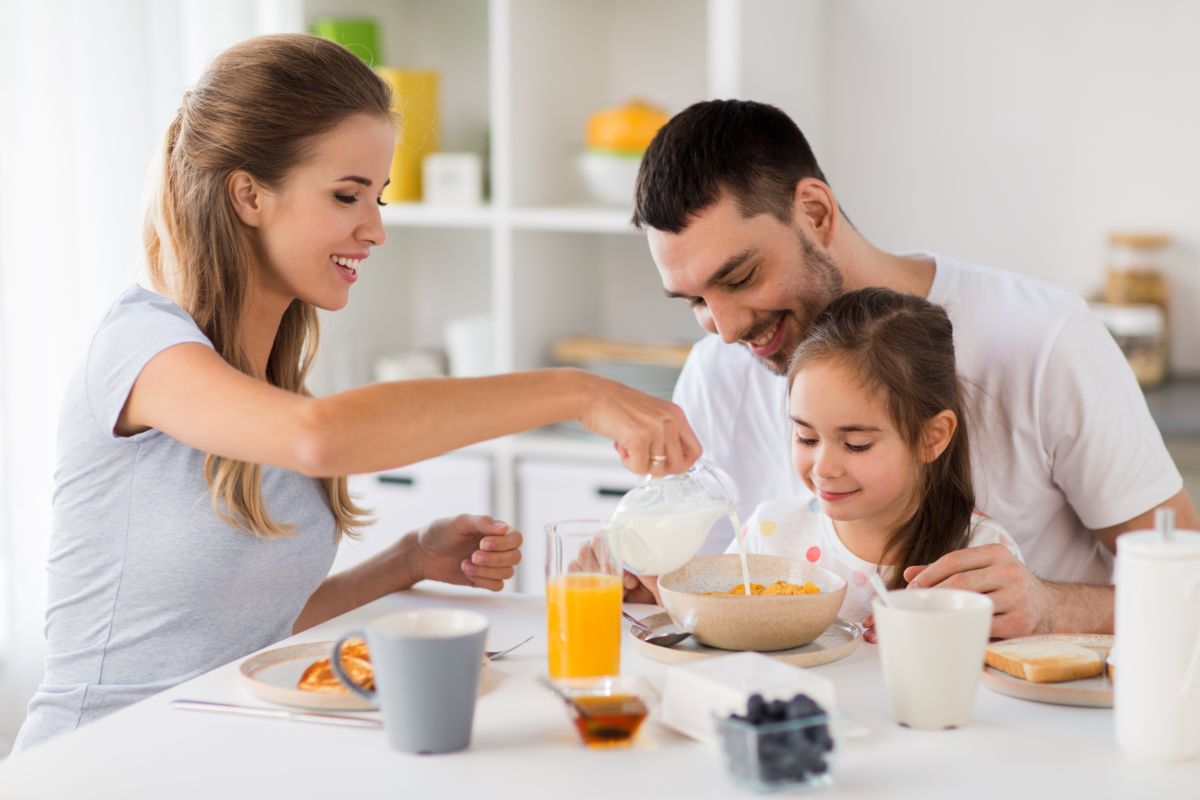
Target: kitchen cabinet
{"points": [[549, 490], [404, 499], [518, 80]]}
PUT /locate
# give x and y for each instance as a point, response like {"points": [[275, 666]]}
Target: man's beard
{"points": [[823, 282]]}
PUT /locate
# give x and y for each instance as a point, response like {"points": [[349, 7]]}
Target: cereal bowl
{"points": [[760, 622]]}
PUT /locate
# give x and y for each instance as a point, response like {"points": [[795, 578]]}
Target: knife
{"points": [[344, 720]]}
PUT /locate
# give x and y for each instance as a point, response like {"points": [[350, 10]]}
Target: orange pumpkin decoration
{"points": [[626, 129]]}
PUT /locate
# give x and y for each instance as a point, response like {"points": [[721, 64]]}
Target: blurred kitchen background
{"points": [[1055, 138]]}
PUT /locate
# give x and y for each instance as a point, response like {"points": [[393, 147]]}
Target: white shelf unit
{"points": [[519, 79]]}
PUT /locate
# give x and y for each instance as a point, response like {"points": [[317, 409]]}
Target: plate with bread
{"points": [[1064, 669], [300, 675]]}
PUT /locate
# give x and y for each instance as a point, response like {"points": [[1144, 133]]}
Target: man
{"points": [[743, 226]]}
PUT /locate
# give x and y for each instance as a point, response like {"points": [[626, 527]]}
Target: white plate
{"points": [[1096, 692], [838, 641], [273, 675]]}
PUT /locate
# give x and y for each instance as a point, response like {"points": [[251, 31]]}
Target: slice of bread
{"points": [[1045, 661]]}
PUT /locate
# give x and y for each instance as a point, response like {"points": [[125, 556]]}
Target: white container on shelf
{"points": [[452, 179], [470, 344]]}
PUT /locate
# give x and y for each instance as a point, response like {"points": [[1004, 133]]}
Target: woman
{"points": [[198, 504]]}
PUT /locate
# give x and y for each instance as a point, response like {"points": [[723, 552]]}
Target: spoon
{"points": [[601, 705], [493, 655], [662, 639]]}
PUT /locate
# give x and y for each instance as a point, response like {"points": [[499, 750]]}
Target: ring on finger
{"points": [[657, 461]]}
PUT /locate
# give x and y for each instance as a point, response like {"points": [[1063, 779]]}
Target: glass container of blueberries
{"points": [[777, 745]]}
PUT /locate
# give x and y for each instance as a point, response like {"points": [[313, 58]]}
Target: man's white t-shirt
{"points": [[797, 528], [1062, 442]]}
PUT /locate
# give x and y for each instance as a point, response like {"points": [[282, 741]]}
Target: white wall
{"points": [[1018, 133]]}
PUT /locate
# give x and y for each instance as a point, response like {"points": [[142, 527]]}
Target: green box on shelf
{"points": [[359, 35]]}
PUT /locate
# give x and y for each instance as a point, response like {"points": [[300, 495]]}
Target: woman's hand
{"points": [[651, 435], [466, 550]]}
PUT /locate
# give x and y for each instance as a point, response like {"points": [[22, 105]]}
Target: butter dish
{"points": [[695, 694]]}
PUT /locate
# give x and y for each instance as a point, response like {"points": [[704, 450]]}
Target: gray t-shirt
{"points": [[147, 587]]}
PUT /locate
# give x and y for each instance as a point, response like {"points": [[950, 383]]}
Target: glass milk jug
{"points": [[1156, 680], [662, 523]]}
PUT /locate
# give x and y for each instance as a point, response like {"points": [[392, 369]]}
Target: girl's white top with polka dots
{"points": [[797, 528]]}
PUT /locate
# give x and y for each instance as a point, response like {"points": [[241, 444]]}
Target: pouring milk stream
{"points": [[663, 522]]}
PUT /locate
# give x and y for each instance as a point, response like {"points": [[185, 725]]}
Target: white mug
{"points": [[931, 643], [1156, 680]]}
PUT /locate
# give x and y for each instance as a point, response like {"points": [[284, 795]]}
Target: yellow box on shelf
{"points": [[415, 100]]}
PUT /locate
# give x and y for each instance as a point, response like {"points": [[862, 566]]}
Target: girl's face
{"points": [[319, 226], [847, 450]]}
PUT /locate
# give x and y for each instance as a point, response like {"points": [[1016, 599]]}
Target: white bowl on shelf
{"points": [[610, 177]]}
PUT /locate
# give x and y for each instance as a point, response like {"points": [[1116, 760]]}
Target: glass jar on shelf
{"points": [[1140, 331], [1135, 269]]}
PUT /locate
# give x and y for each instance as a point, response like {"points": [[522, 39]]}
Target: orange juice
{"points": [[584, 618]]}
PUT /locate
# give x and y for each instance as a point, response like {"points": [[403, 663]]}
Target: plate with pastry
{"points": [[1064, 669], [300, 675]]}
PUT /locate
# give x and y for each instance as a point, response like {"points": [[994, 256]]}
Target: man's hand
{"points": [[637, 589], [1024, 604], [468, 551], [641, 589]]}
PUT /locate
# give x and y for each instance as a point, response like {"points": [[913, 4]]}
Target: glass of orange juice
{"points": [[583, 600]]}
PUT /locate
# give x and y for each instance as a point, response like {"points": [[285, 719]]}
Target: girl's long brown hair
{"points": [[259, 107], [901, 347]]}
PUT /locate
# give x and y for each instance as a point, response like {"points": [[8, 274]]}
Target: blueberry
{"points": [[802, 706], [756, 706]]}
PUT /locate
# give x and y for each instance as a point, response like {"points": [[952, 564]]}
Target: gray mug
{"points": [[426, 664]]}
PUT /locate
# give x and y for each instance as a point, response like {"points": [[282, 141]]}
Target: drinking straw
{"points": [[877, 584], [1164, 522]]}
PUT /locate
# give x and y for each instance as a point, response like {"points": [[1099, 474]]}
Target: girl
{"points": [[198, 503], [880, 438]]}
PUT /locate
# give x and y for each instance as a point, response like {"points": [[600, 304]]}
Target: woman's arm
{"points": [[466, 550], [190, 393]]}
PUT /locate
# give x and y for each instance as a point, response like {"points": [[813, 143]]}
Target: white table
{"points": [[524, 746]]}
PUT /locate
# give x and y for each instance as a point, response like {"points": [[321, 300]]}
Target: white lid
{"points": [[1149, 544], [1139, 319]]}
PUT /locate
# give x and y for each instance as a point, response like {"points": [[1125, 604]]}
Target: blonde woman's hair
{"points": [[259, 107]]}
